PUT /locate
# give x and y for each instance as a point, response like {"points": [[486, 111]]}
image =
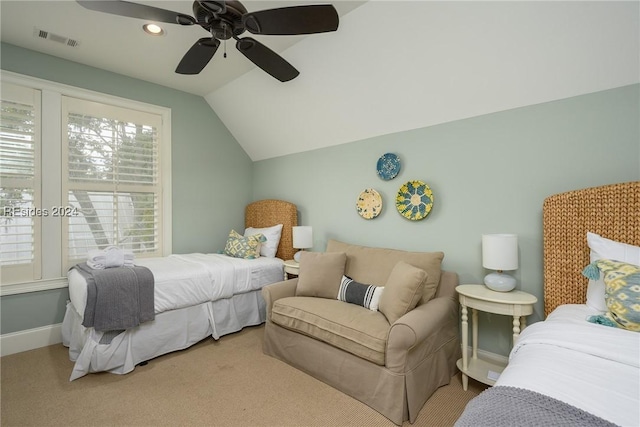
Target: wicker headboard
{"points": [[266, 213], [612, 211]]}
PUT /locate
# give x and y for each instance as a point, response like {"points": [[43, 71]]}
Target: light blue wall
{"points": [[204, 154], [489, 174]]}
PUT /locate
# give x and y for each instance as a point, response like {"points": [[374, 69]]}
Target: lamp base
{"points": [[500, 282], [296, 256]]}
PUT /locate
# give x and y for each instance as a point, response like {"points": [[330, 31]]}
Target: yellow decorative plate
{"points": [[369, 204], [414, 200]]}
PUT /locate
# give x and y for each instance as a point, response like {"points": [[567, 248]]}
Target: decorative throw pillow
{"points": [[373, 265], [622, 293], [320, 274], [402, 292], [602, 248], [272, 234], [354, 292], [243, 247]]}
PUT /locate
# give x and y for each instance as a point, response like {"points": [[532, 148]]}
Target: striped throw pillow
{"points": [[357, 293]]}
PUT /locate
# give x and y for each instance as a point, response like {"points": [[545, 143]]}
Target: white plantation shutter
{"points": [[111, 159], [19, 183]]}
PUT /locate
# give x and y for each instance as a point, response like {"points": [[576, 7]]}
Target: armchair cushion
{"points": [[403, 291], [320, 274], [373, 265], [349, 327]]}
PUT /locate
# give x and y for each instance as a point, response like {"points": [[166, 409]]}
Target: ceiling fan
{"points": [[229, 19]]}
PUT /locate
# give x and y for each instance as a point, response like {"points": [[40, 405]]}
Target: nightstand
{"points": [[291, 268], [478, 297]]}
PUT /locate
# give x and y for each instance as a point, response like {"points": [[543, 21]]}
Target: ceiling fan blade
{"points": [[309, 19], [135, 10], [267, 59], [198, 56]]}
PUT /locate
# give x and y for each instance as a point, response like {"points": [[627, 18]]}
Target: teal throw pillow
{"points": [[239, 246], [622, 293]]}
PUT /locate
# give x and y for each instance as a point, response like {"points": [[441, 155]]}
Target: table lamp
{"points": [[302, 239], [500, 253]]}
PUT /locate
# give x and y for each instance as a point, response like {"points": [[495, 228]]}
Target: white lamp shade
{"points": [[302, 237], [500, 251]]}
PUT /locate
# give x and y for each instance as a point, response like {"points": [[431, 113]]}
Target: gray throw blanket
{"points": [[117, 298], [505, 406]]}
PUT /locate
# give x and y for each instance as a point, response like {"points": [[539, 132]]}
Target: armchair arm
{"points": [[423, 330], [273, 292]]}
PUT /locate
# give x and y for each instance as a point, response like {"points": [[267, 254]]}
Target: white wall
{"points": [[399, 65]]}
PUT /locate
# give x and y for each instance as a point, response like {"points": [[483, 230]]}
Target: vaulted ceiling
{"points": [[391, 66], [119, 44]]}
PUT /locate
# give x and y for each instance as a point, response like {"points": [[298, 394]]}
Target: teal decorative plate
{"points": [[369, 204], [414, 200], [388, 166]]}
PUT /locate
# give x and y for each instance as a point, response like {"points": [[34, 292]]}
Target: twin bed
{"points": [[196, 296], [566, 370]]}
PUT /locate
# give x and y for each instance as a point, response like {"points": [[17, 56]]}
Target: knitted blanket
{"points": [[117, 298], [505, 406]]}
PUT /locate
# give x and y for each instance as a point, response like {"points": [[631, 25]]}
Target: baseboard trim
{"points": [[487, 355], [17, 342]]}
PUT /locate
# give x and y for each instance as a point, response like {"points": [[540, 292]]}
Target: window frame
{"points": [[53, 265], [71, 106], [28, 271]]}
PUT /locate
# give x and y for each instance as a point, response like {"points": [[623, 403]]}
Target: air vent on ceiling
{"points": [[47, 35]]}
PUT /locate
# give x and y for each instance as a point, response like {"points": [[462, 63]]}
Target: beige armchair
{"points": [[392, 367]]}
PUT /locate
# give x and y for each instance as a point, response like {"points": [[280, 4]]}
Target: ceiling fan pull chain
{"points": [[225, 42]]}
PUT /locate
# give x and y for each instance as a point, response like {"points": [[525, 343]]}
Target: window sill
{"points": [[35, 286]]}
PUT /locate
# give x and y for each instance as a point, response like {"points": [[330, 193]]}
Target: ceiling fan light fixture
{"points": [[226, 19], [153, 29]]}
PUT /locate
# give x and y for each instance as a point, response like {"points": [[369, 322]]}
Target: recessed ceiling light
{"points": [[153, 29]]}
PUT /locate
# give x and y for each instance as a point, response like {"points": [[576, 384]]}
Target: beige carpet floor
{"points": [[229, 382]]}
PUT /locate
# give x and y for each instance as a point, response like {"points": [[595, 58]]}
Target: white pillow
{"points": [[270, 247], [602, 248]]}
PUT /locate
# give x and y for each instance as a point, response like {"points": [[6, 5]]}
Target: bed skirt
{"points": [[170, 331]]}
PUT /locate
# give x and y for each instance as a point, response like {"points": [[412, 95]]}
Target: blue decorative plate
{"points": [[414, 200], [388, 166]]}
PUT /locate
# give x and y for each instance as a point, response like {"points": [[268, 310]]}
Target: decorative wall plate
{"points": [[388, 166], [369, 204], [414, 200]]}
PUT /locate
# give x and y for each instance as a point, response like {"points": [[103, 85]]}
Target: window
{"points": [[111, 166], [79, 170], [20, 183]]}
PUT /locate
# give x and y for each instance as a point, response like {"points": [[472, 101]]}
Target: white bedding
{"points": [[593, 367], [191, 279], [196, 295]]}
